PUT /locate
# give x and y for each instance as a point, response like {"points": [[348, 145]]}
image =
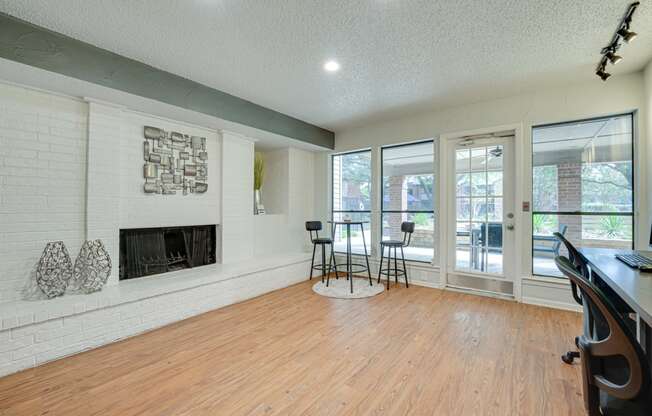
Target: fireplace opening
{"points": [[148, 251]]}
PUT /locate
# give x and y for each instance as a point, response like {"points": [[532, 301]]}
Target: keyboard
{"points": [[635, 260]]}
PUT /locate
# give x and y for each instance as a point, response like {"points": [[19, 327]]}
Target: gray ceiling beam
{"points": [[33, 45]]}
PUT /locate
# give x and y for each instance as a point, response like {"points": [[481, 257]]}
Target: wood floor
{"points": [[413, 351]]}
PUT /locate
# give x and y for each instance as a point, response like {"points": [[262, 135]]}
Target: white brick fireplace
{"points": [[71, 169]]}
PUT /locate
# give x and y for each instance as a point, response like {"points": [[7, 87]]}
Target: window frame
{"points": [[371, 187], [581, 213], [382, 197]]}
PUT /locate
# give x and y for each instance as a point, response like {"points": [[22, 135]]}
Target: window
{"points": [[582, 183], [408, 195], [352, 198]]}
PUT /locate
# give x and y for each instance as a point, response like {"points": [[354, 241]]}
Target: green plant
{"points": [[612, 226], [541, 223], [259, 171], [420, 218]]}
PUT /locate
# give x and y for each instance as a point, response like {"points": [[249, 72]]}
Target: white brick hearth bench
{"points": [[34, 332]]}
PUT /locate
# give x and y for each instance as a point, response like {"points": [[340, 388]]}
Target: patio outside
{"points": [[582, 188]]}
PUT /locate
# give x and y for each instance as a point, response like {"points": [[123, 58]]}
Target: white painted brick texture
{"points": [[30, 345], [71, 170], [42, 180]]}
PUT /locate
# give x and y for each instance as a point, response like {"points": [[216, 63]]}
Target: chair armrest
{"points": [[592, 352], [576, 294]]}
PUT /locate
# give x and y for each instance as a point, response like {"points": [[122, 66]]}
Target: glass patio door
{"points": [[483, 211]]}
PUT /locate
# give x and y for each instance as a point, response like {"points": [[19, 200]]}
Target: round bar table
{"points": [[349, 256]]}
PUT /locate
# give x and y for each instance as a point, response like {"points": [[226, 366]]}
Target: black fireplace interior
{"points": [[147, 251]]}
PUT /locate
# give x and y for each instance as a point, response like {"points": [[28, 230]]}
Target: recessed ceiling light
{"points": [[331, 66]]}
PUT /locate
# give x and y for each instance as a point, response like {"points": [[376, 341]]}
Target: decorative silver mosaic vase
{"points": [[92, 267], [54, 269]]}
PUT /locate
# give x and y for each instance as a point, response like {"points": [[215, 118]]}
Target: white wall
{"points": [[138, 209], [301, 191], [115, 197], [42, 180], [71, 169], [238, 198], [103, 174], [647, 111], [322, 186], [276, 181], [571, 102], [288, 195]]}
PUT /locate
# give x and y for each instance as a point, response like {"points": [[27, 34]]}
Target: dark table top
{"points": [[349, 222], [633, 286]]}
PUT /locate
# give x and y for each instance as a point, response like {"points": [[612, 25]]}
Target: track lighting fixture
{"points": [[601, 70], [623, 33], [604, 75], [627, 34], [613, 58]]}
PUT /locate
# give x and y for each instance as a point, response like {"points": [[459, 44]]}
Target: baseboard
{"points": [[551, 304], [477, 292], [431, 285]]}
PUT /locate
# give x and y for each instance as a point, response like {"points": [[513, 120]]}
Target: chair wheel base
{"points": [[570, 356]]}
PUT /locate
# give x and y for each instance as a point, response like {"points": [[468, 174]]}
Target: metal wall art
{"points": [[92, 267], [174, 162], [54, 269]]}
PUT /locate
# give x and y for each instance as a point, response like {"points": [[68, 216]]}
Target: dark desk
{"points": [[633, 287]]}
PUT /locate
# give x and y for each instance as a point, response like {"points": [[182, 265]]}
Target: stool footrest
{"points": [[341, 267], [392, 272]]}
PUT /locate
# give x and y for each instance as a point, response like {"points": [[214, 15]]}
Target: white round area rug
{"points": [[341, 288]]}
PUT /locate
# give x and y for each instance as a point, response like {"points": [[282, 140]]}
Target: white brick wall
{"points": [[42, 180], [237, 199], [105, 129], [26, 346], [138, 209], [45, 142], [72, 169]]}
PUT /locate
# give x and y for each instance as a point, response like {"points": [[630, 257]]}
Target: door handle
{"points": [[510, 227]]}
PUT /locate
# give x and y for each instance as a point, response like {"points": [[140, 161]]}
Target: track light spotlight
{"points": [[613, 58], [626, 34], [604, 75]]}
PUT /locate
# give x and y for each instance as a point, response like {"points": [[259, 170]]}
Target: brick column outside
{"points": [[569, 189], [397, 202]]}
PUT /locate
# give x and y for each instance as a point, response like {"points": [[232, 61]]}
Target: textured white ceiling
{"points": [[397, 56]]}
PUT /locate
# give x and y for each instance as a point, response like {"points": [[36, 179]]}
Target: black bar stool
{"points": [[314, 227], [407, 228]]}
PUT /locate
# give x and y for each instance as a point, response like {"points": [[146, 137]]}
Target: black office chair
{"points": [[407, 228], [582, 268], [315, 227], [615, 373]]}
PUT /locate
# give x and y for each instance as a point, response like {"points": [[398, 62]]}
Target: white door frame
{"points": [[520, 235]]}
